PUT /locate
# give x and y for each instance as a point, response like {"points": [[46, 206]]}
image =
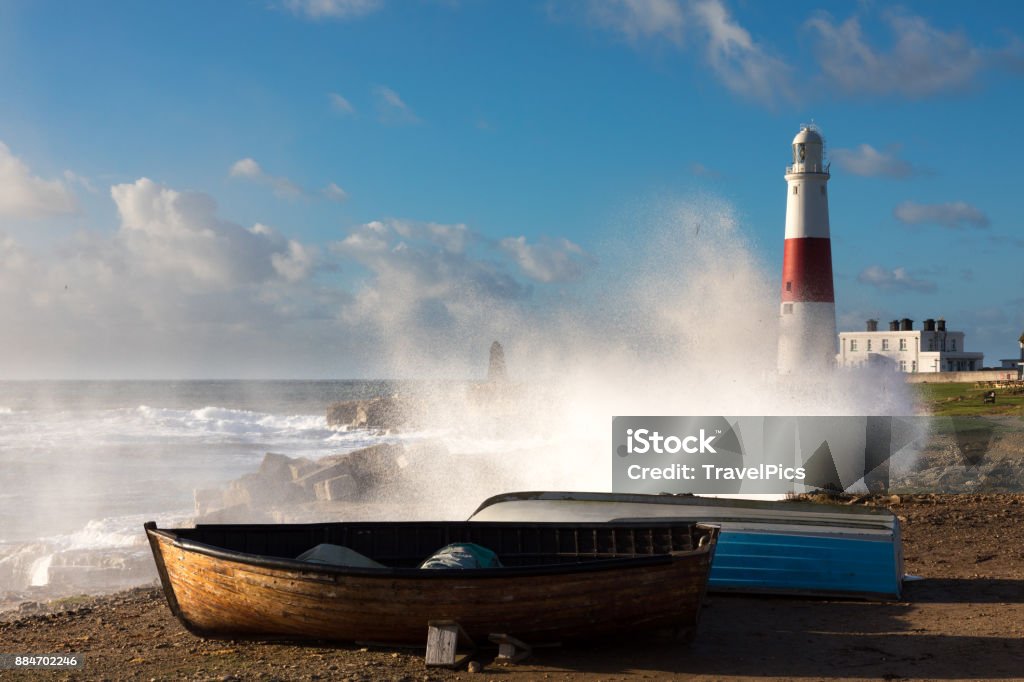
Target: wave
{"points": [[106, 553], [213, 419]]}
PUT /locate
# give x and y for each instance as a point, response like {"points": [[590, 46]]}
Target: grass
{"points": [[966, 400]]}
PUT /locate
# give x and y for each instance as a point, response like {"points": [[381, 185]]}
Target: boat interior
{"points": [[407, 544]]}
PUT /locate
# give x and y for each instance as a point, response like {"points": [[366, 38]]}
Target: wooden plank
{"points": [[443, 637]]}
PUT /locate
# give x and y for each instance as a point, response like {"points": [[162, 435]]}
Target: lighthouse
{"points": [[807, 316]]}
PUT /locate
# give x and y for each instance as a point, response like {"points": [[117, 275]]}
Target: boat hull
{"points": [[767, 547], [229, 593]]}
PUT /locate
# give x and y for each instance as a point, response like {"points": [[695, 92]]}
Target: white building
{"points": [[905, 349]]}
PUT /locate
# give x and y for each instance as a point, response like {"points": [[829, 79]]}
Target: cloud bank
{"points": [[24, 195], [952, 215], [867, 161], [333, 9], [896, 279]]}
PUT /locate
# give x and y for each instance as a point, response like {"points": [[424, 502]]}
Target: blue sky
{"points": [[275, 188]]}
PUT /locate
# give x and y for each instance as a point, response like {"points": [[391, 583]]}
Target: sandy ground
{"points": [[964, 621]]}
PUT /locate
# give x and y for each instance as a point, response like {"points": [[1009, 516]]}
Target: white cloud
{"points": [[638, 21], [12, 256], [391, 108], [297, 263], [340, 104], [867, 161], [282, 187], [249, 169], [23, 195], [952, 215], [170, 234], [246, 168], [335, 193], [739, 62], [743, 65], [550, 260], [896, 279], [422, 275], [74, 178], [333, 9], [175, 290], [922, 60]]}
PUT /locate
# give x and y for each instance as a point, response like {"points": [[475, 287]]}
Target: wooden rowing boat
{"points": [[559, 581]]}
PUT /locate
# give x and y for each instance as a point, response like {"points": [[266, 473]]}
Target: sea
{"points": [[83, 464]]}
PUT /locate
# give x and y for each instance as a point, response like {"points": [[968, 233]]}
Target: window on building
{"points": [[931, 343], [853, 344], [823, 189], [789, 286], [903, 344], [903, 365], [795, 189], [885, 344], [952, 344], [869, 345], [787, 308], [913, 366]]}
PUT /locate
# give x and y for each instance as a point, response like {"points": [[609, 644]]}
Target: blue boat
{"points": [[767, 547]]}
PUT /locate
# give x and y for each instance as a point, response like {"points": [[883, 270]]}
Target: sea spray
{"points": [[681, 318]]}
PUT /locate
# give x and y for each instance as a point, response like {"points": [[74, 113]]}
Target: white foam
{"points": [[39, 573]]}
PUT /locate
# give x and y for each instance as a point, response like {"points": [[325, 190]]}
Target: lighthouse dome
{"points": [[808, 135]]}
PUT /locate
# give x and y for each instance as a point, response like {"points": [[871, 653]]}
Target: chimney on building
{"points": [[942, 324], [872, 325], [894, 326], [929, 325], [906, 325]]}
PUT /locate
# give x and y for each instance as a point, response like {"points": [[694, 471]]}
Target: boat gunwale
{"points": [[558, 569], [884, 516]]}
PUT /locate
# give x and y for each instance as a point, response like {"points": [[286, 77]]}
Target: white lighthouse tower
{"points": [[807, 321]]}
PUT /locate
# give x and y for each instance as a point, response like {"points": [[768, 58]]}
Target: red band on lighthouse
{"points": [[807, 270]]}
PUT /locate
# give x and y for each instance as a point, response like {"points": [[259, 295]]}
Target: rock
{"points": [[345, 413], [334, 469], [207, 500], [376, 465], [237, 514], [301, 466], [388, 413], [276, 466], [474, 667], [367, 468], [259, 490], [337, 488]]}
